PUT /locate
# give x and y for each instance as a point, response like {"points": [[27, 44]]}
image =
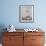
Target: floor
{"points": [[0, 44]]}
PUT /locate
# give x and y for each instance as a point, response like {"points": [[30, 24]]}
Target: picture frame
{"points": [[26, 13]]}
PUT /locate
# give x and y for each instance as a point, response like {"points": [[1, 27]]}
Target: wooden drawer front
{"points": [[37, 45], [33, 40], [18, 44], [12, 39], [8, 45], [5, 40], [34, 33], [37, 39], [13, 33], [27, 41]]}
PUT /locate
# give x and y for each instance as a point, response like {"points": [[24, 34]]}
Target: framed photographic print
{"points": [[26, 13]]}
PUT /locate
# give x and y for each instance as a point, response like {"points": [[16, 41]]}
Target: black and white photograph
{"points": [[26, 13]]}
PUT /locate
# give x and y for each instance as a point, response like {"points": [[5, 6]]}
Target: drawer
{"points": [[27, 40], [37, 39], [34, 33], [8, 45], [13, 33], [37, 44], [12, 39], [18, 44], [27, 37]]}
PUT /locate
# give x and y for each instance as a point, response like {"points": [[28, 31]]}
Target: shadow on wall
{"points": [[2, 26]]}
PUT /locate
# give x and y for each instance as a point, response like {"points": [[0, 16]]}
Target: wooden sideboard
{"points": [[23, 38]]}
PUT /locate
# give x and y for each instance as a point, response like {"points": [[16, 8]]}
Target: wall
{"points": [[10, 13]]}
